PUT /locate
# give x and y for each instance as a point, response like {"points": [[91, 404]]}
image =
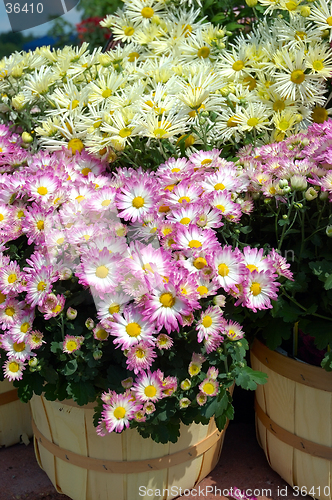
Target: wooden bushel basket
{"points": [[15, 416], [294, 420], [85, 466]]}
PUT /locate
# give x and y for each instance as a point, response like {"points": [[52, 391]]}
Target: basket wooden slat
{"points": [[85, 466], [15, 416], [295, 405]]}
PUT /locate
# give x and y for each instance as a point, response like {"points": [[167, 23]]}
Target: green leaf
{"points": [[248, 378], [328, 282], [49, 374], [82, 392], [56, 346], [221, 422], [320, 329], [210, 408], [70, 367], [327, 362], [276, 331], [246, 229], [231, 26]]}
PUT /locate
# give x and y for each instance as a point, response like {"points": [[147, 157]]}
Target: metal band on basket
{"points": [[128, 467], [302, 444]]}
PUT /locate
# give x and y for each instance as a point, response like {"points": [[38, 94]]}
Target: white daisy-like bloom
{"points": [[291, 79], [16, 350], [296, 32], [130, 328], [99, 270], [211, 322], [162, 127], [110, 304], [120, 131], [234, 65], [319, 60], [123, 28], [321, 15], [143, 11], [135, 201], [254, 117], [196, 47], [39, 82], [13, 369], [104, 86]]}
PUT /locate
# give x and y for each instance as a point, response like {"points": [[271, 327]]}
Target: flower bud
{"points": [[323, 195], [251, 3], [329, 231], [287, 189], [219, 300], [97, 354], [33, 362], [18, 102], [298, 182], [305, 11], [71, 313], [90, 324], [185, 384], [283, 183], [311, 194], [27, 138]]}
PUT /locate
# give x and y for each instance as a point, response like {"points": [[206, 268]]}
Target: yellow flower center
{"points": [[105, 203], [9, 311], [207, 161], [1, 217], [12, 278], [20, 214], [203, 52], [185, 220], [101, 272], [106, 93], [199, 263], [250, 82], [252, 267], [207, 321], [114, 308], [291, 6], [71, 345], [59, 241], [147, 12], [85, 171], [129, 31], [138, 202], [75, 145], [202, 290], [101, 334], [40, 225], [329, 21], [25, 327], [223, 270], [42, 190], [79, 198], [139, 353], [297, 76], [13, 367], [175, 170], [167, 300], [253, 122], [150, 391], [74, 104], [319, 115], [219, 186], [133, 329], [318, 65], [56, 309], [283, 125], [2, 298], [278, 105], [231, 122], [41, 286], [300, 35], [238, 65], [132, 56], [184, 198], [19, 346], [255, 288], [194, 244], [208, 388], [119, 412], [125, 132]]}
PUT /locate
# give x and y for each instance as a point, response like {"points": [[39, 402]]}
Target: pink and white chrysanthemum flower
{"points": [[13, 369], [209, 217], [52, 306], [259, 290], [209, 387], [210, 322], [187, 284], [228, 266], [174, 166], [201, 398], [222, 200], [43, 187], [118, 412], [35, 339], [212, 342], [100, 332], [16, 350], [148, 387], [114, 244], [136, 200], [103, 200], [188, 214], [6, 216], [140, 357], [72, 343], [85, 163], [255, 260], [149, 407], [10, 312], [163, 341], [146, 259], [165, 305], [212, 373], [39, 285], [205, 159], [280, 264], [36, 223], [99, 270], [206, 287], [111, 303], [170, 385], [195, 364], [81, 194], [10, 279], [22, 327], [225, 178], [131, 327], [193, 238], [81, 234], [233, 330], [183, 193]]}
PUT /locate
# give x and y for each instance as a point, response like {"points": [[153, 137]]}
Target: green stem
{"points": [[304, 308], [283, 234]]}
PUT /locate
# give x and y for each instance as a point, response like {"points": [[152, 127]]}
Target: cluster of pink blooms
{"points": [[298, 163], [146, 275]]}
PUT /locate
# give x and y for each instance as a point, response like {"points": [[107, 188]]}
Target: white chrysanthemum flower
{"points": [[321, 15]]}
